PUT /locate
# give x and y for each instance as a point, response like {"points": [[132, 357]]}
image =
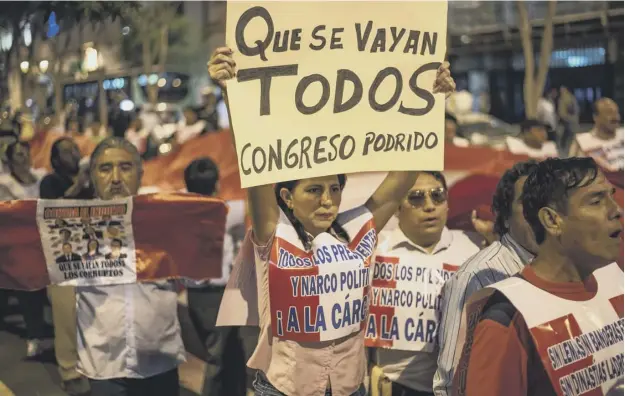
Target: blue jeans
{"points": [[262, 387], [165, 384]]}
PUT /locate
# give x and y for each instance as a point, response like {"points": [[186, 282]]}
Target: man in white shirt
{"points": [[421, 239], [202, 177], [498, 261], [532, 141], [129, 339], [604, 143]]}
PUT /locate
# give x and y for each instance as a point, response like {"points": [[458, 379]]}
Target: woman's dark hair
{"points": [[97, 248], [299, 228], [504, 193], [549, 186]]}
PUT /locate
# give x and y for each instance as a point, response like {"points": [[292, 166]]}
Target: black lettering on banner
{"points": [[295, 39], [319, 150], [265, 74], [277, 47], [274, 156], [332, 139], [291, 158], [239, 31], [342, 154], [379, 42], [431, 140], [376, 84], [301, 88], [413, 42], [341, 76], [315, 36], [246, 171], [335, 41], [420, 92], [361, 37], [396, 37], [306, 142], [258, 169], [429, 41]]}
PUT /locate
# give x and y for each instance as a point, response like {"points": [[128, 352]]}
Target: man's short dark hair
{"points": [[504, 193], [67, 244], [116, 240], [10, 150], [55, 152], [438, 176], [528, 124], [450, 117], [201, 176], [549, 186]]}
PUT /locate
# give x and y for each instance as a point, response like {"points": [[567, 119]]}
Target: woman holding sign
{"points": [[412, 262], [313, 273]]}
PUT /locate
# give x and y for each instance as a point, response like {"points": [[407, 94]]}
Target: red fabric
{"points": [[472, 192], [175, 235]]}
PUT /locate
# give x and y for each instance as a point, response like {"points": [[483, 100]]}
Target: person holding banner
{"points": [[67, 181], [129, 338], [505, 257], [557, 326], [412, 262], [22, 182], [313, 272]]}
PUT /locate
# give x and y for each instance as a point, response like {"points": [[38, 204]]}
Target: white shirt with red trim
{"points": [[587, 356], [415, 368]]}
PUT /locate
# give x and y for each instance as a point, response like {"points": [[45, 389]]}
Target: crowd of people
{"points": [[555, 239]]}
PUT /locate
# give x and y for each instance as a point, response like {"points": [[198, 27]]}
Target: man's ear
{"points": [[551, 221]]}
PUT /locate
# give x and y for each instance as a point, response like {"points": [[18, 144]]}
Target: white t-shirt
{"points": [[607, 153], [518, 146]]}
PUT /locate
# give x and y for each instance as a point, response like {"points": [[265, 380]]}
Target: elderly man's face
{"points": [[115, 174]]}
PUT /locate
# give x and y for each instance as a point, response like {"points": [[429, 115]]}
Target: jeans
{"points": [[31, 306], [165, 384], [227, 348], [400, 390], [262, 387]]}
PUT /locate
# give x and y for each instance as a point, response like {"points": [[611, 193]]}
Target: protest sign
{"points": [[321, 294], [321, 89], [87, 244], [406, 302], [84, 243]]}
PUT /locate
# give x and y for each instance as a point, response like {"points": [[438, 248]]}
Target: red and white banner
{"points": [[405, 302], [580, 342], [323, 294], [147, 237]]}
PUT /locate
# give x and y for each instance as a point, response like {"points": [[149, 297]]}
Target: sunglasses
{"points": [[438, 196]]}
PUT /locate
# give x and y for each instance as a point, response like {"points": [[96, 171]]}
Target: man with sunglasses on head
{"points": [[498, 261], [423, 247]]}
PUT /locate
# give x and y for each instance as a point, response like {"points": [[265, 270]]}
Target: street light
{"points": [[24, 66], [43, 66]]}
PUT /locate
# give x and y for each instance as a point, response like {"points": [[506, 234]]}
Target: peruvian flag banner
{"points": [[94, 242]]}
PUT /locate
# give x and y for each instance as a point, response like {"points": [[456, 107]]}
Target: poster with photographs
{"points": [[87, 243]]}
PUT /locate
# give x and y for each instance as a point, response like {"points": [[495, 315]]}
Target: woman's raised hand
{"points": [[221, 66], [444, 82]]}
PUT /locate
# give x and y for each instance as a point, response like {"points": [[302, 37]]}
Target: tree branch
{"points": [[545, 51], [525, 30]]}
